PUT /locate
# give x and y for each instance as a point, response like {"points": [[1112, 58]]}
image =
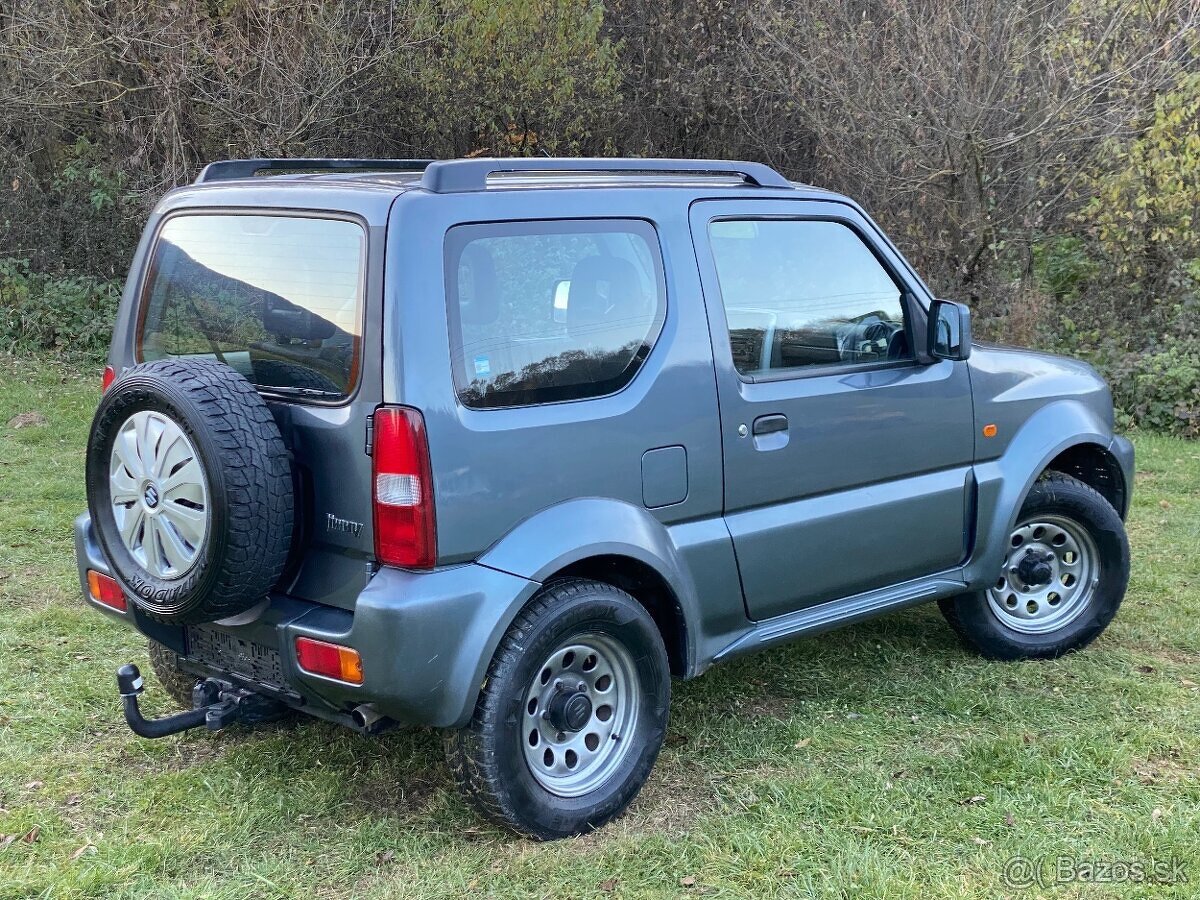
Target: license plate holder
{"points": [[249, 659]]}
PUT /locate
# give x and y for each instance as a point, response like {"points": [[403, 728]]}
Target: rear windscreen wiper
{"points": [[300, 391]]}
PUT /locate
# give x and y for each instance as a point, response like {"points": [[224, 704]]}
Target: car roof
{"points": [[396, 176], [368, 188]]}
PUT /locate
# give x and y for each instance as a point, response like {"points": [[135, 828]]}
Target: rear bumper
{"points": [[425, 639]]}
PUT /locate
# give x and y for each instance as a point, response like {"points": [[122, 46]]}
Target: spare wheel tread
{"points": [[249, 538], [256, 479]]}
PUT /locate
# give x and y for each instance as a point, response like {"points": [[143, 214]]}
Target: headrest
{"points": [[478, 287], [604, 289]]}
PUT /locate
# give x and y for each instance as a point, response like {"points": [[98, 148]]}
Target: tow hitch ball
{"points": [[216, 704]]}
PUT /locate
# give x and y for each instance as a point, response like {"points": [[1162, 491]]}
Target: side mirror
{"points": [[562, 294], [949, 330]]}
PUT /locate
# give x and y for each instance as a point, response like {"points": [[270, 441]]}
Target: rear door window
{"points": [[547, 311], [278, 298]]}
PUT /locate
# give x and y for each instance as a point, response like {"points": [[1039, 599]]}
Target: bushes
{"points": [[1140, 219], [106, 105], [514, 77], [1041, 161], [1159, 389], [71, 210], [64, 314]]}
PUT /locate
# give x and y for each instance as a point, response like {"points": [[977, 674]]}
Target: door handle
{"points": [[770, 424]]}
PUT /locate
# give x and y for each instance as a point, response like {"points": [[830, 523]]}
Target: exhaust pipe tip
{"points": [[368, 718]]}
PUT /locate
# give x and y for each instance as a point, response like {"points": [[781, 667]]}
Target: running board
{"points": [[836, 613]]}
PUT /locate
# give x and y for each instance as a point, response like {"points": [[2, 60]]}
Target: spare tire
{"points": [[190, 490]]}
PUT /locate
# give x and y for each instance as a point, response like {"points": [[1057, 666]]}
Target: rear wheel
{"points": [[572, 716], [177, 682], [1065, 571]]}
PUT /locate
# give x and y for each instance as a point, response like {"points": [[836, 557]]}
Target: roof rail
{"points": [[227, 169], [461, 175]]}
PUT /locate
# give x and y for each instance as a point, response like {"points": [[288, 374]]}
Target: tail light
{"points": [[405, 532], [104, 589], [330, 660], [110, 375]]}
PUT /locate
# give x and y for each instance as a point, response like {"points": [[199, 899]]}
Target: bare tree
{"points": [[965, 124], [169, 85]]}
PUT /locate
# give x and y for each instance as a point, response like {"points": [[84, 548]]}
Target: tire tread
{"points": [[473, 765], [177, 683], [255, 468], [985, 644]]}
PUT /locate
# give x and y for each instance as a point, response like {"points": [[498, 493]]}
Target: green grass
{"points": [[842, 766]]}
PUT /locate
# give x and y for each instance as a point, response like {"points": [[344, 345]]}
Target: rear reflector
{"points": [[405, 532], [329, 660], [110, 375], [105, 590]]}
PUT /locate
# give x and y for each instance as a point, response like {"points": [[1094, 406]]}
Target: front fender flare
{"points": [[1005, 482]]}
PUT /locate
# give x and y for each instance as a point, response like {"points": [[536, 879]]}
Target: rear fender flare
{"points": [[580, 529]]}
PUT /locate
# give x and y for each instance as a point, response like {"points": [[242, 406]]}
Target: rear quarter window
{"points": [[278, 298], [548, 311]]}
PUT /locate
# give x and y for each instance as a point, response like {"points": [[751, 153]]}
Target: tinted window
{"points": [[804, 293], [278, 298], [547, 311]]}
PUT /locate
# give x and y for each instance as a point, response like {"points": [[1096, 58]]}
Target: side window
{"points": [[800, 293], [541, 312]]}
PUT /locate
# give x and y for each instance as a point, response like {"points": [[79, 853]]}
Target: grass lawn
{"points": [[881, 760]]}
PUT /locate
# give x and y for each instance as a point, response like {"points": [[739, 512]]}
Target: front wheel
{"points": [[572, 716], [1065, 571]]}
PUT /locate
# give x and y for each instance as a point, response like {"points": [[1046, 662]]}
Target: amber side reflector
{"points": [[989, 430], [330, 660], [105, 590]]}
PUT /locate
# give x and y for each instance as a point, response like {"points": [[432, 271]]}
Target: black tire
{"points": [[248, 474], [177, 682], [487, 757], [1055, 494]]}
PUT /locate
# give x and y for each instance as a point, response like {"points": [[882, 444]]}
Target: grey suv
{"points": [[502, 446]]}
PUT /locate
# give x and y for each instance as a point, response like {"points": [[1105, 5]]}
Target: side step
{"points": [[216, 704], [836, 613]]}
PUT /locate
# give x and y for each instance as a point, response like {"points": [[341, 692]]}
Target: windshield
{"points": [[278, 298]]}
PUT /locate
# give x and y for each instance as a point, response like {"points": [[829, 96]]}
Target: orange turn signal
{"points": [[329, 660], [105, 590], [989, 430]]}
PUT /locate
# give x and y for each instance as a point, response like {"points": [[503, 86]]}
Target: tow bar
{"points": [[216, 704]]}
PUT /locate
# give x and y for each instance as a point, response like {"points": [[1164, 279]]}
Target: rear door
{"points": [[284, 297], [847, 461]]}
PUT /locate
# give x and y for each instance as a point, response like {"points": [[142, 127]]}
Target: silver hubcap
{"points": [[1050, 574], [159, 495], [580, 713]]}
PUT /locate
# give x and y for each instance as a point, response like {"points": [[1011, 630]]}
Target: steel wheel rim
{"points": [[570, 762], [1071, 554], [159, 495]]}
